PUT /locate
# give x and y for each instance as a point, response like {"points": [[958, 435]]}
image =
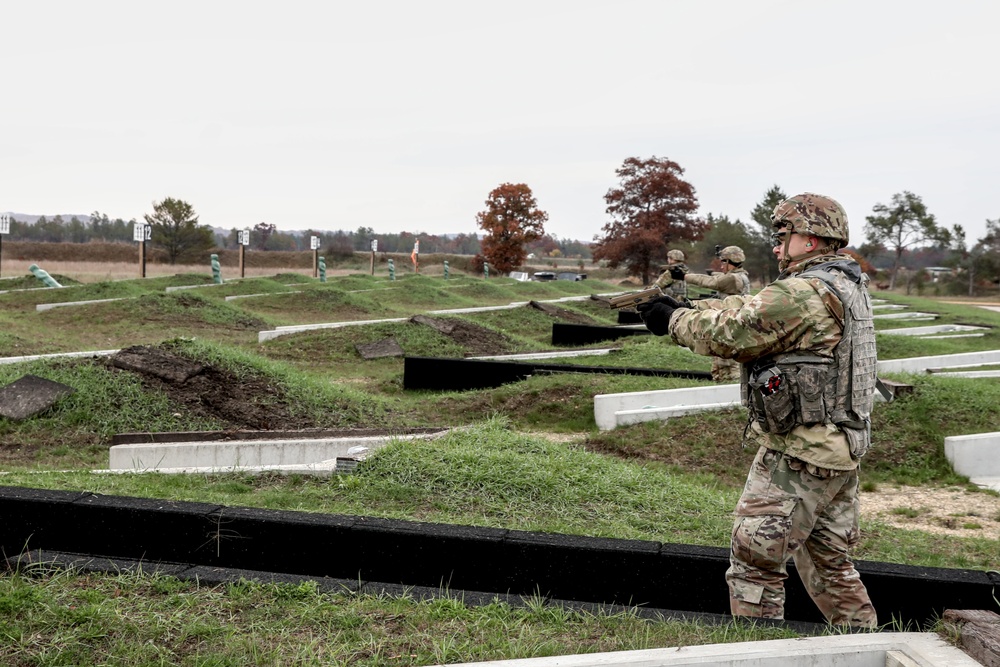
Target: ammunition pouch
{"points": [[784, 395], [770, 400]]}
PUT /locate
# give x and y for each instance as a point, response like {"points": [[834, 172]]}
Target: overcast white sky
{"points": [[403, 115]]}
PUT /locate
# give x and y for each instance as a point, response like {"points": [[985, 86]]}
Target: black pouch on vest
{"points": [[772, 400], [810, 380]]}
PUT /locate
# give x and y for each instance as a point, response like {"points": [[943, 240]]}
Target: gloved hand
{"points": [[656, 314], [677, 273]]}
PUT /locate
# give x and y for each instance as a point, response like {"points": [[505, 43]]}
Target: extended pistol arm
{"points": [[635, 298]]}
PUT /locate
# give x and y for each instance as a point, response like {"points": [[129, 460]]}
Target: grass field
{"points": [[531, 459]]}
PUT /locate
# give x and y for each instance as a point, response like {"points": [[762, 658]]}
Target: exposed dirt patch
{"points": [[477, 340], [561, 313], [245, 402], [941, 511]]}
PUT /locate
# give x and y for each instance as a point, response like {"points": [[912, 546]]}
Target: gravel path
{"points": [[941, 511]]}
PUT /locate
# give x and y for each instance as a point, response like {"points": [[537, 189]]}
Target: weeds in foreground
{"points": [[80, 619]]}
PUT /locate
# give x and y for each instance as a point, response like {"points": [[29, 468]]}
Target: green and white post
{"points": [[4, 230], [314, 246], [216, 269]]}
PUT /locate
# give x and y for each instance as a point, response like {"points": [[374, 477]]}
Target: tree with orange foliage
{"points": [[652, 210], [511, 220], [866, 266]]}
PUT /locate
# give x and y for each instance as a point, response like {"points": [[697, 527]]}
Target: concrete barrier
{"points": [[921, 364], [915, 315], [176, 288], [285, 330], [936, 329], [626, 417], [950, 336], [40, 307], [613, 410], [38, 357], [970, 374], [884, 649], [977, 456], [233, 455], [663, 404], [527, 356], [234, 297]]}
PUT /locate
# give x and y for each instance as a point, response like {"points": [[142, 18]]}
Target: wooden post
{"points": [[314, 244]]}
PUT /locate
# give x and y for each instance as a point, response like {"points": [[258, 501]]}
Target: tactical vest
{"points": [[742, 285], [803, 388], [744, 282]]}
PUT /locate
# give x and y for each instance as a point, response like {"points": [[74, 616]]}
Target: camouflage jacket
{"points": [[734, 282], [791, 314], [670, 285]]}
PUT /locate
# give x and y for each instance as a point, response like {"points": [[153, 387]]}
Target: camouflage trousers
{"points": [[790, 508], [725, 370]]}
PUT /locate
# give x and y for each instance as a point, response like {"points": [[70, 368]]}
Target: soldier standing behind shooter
{"points": [[732, 280], [807, 346], [671, 281]]}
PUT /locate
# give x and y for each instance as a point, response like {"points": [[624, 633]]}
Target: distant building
{"points": [[936, 272]]}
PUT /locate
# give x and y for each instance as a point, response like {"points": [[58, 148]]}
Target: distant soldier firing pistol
{"points": [[671, 282]]}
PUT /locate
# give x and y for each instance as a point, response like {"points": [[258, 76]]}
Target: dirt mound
{"points": [[477, 340], [240, 402], [561, 313]]}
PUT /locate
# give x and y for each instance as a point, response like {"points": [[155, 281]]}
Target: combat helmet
{"points": [[676, 255], [814, 215], [733, 254]]}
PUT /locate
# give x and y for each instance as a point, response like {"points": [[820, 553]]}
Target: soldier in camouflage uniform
{"points": [[733, 279], [671, 281], [807, 346]]}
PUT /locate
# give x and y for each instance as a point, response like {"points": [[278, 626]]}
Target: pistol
{"points": [[635, 298]]}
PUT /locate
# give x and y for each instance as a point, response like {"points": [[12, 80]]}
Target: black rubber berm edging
{"points": [[40, 562], [406, 554], [586, 334], [458, 374]]}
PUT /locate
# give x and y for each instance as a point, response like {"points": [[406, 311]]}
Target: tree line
{"points": [[651, 210], [654, 209], [176, 227]]}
